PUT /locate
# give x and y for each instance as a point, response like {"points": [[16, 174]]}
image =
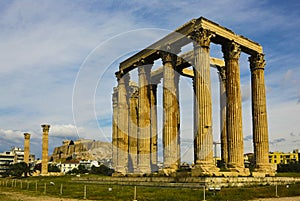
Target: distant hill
{"points": [[82, 149]]}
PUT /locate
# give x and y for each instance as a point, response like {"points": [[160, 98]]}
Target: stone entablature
{"points": [[140, 111]]}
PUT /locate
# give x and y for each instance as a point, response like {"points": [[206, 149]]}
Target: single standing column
{"points": [[26, 147], [115, 128], [153, 103], [259, 115], [232, 53], [144, 119], [122, 144], [133, 128], [224, 145], [171, 112], [45, 142], [203, 138]]}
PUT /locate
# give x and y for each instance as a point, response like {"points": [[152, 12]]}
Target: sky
{"points": [[58, 58]]}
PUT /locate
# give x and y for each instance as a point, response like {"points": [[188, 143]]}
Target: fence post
{"points": [[36, 186], [134, 194], [204, 194], [45, 188], [84, 192], [276, 190], [61, 189]]}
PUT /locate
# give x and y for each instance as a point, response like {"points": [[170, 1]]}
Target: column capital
{"points": [[123, 78], [201, 37], [222, 73], [45, 127], [144, 69], [231, 50], [27, 136], [257, 61]]}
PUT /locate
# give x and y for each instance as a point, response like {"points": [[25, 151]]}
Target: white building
{"points": [[68, 166]]}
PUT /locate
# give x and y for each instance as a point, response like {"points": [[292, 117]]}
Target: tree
{"points": [[53, 168], [19, 169], [102, 169]]}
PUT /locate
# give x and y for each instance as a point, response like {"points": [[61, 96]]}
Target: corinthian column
{"points": [[144, 120], [203, 139], [45, 142], [232, 53], [224, 145], [153, 103], [171, 145], [122, 143], [133, 128], [259, 115], [26, 147], [115, 128]]}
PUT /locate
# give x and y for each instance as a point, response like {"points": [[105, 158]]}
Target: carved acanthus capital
{"points": [[202, 37], [45, 127], [27, 136], [169, 54], [231, 50], [123, 78], [257, 61], [222, 73]]}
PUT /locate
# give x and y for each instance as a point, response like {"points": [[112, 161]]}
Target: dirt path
{"points": [[14, 196]]}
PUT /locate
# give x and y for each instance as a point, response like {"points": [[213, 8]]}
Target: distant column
{"points": [[45, 142], [153, 103], [144, 119], [171, 144], [224, 145], [115, 128], [122, 142], [259, 114], [232, 53], [203, 138], [133, 129], [26, 147]]}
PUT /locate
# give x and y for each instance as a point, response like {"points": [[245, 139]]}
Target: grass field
{"points": [[35, 186]]}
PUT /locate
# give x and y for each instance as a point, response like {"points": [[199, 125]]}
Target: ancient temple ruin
{"points": [[134, 132]]}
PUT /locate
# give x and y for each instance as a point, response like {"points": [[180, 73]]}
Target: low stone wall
{"points": [[193, 182]]}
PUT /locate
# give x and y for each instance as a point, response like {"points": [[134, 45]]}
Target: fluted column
{"points": [[171, 146], [133, 129], [153, 103], [224, 145], [115, 128], [122, 143], [144, 120], [203, 138], [26, 147], [259, 114], [45, 143], [232, 53]]}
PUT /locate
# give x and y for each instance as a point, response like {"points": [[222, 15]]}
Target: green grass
{"points": [[288, 174], [98, 191]]}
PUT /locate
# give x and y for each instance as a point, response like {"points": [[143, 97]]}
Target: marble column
{"points": [[133, 129], [232, 53], [259, 114], [203, 138], [45, 143], [26, 147], [223, 101], [115, 128], [171, 144], [122, 142], [144, 119], [153, 103]]}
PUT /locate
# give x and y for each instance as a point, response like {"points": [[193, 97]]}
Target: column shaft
{"points": [[259, 114], [26, 147], [153, 99], [203, 139], [144, 120], [45, 143], [223, 102], [115, 128], [232, 52], [133, 129], [171, 146], [122, 142]]}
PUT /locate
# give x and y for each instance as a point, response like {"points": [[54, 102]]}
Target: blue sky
{"points": [[58, 60]]}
